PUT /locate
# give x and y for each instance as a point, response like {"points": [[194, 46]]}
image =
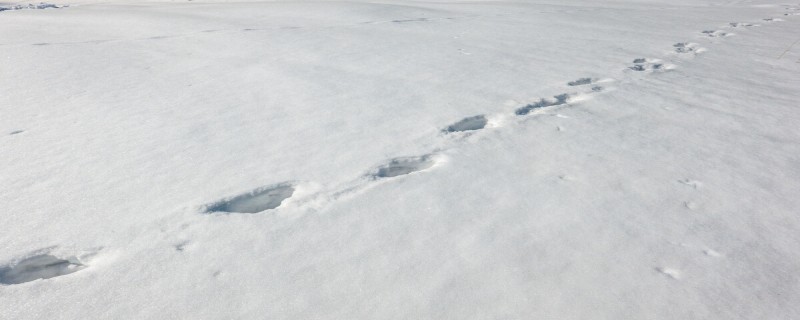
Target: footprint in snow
{"points": [[258, 200], [649, 65], [403, 166], [544, 103], [688, 48], [716, 33], [588, 81], [742, 24], [468, 124], [581, 82], [42, 266]]}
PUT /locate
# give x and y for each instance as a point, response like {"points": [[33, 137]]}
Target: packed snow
{"points": [[571, 159]]}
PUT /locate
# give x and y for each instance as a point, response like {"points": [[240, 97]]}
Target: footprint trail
{"points": [[272, 197]]}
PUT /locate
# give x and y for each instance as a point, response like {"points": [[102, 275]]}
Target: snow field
{"points": [[285, 201]]}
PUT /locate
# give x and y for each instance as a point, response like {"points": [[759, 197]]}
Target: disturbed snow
{"points": [[254, 159]]}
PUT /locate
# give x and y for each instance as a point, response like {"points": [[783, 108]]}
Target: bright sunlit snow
{"points": [[557, 159]]}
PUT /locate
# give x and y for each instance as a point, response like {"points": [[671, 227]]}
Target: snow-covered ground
{"points": [[557, 159]]}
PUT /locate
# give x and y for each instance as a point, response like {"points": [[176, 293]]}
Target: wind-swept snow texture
{"points": [[574, 159]]}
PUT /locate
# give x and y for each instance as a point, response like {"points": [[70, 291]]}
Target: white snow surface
{"points": [[555, 159]]}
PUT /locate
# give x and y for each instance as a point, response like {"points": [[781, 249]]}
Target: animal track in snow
{"points": [[773, 19], [43, 266], [688, 47], [403, 166], [716, 33], [543, 103], [650, 65], [258, 200], [468, 124], [15, 132]]}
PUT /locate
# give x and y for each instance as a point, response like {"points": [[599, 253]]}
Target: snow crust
{"points": [[575, 159]]}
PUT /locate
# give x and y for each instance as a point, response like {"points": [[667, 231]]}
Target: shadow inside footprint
{"points": [[684, 47], [640, 67], [716, 33], [37, 267], [580, 82], [543, 103], [468, 124], [403, 166], [256, 201]]}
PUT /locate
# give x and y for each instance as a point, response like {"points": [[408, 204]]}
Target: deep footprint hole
{"points": [[403, 166], [543, 103], [256, 201], [43, 266], [468, 124], [580, 82]]}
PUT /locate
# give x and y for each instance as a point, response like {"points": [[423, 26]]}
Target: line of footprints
{"points": [[54, 262], [272, 196]]}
